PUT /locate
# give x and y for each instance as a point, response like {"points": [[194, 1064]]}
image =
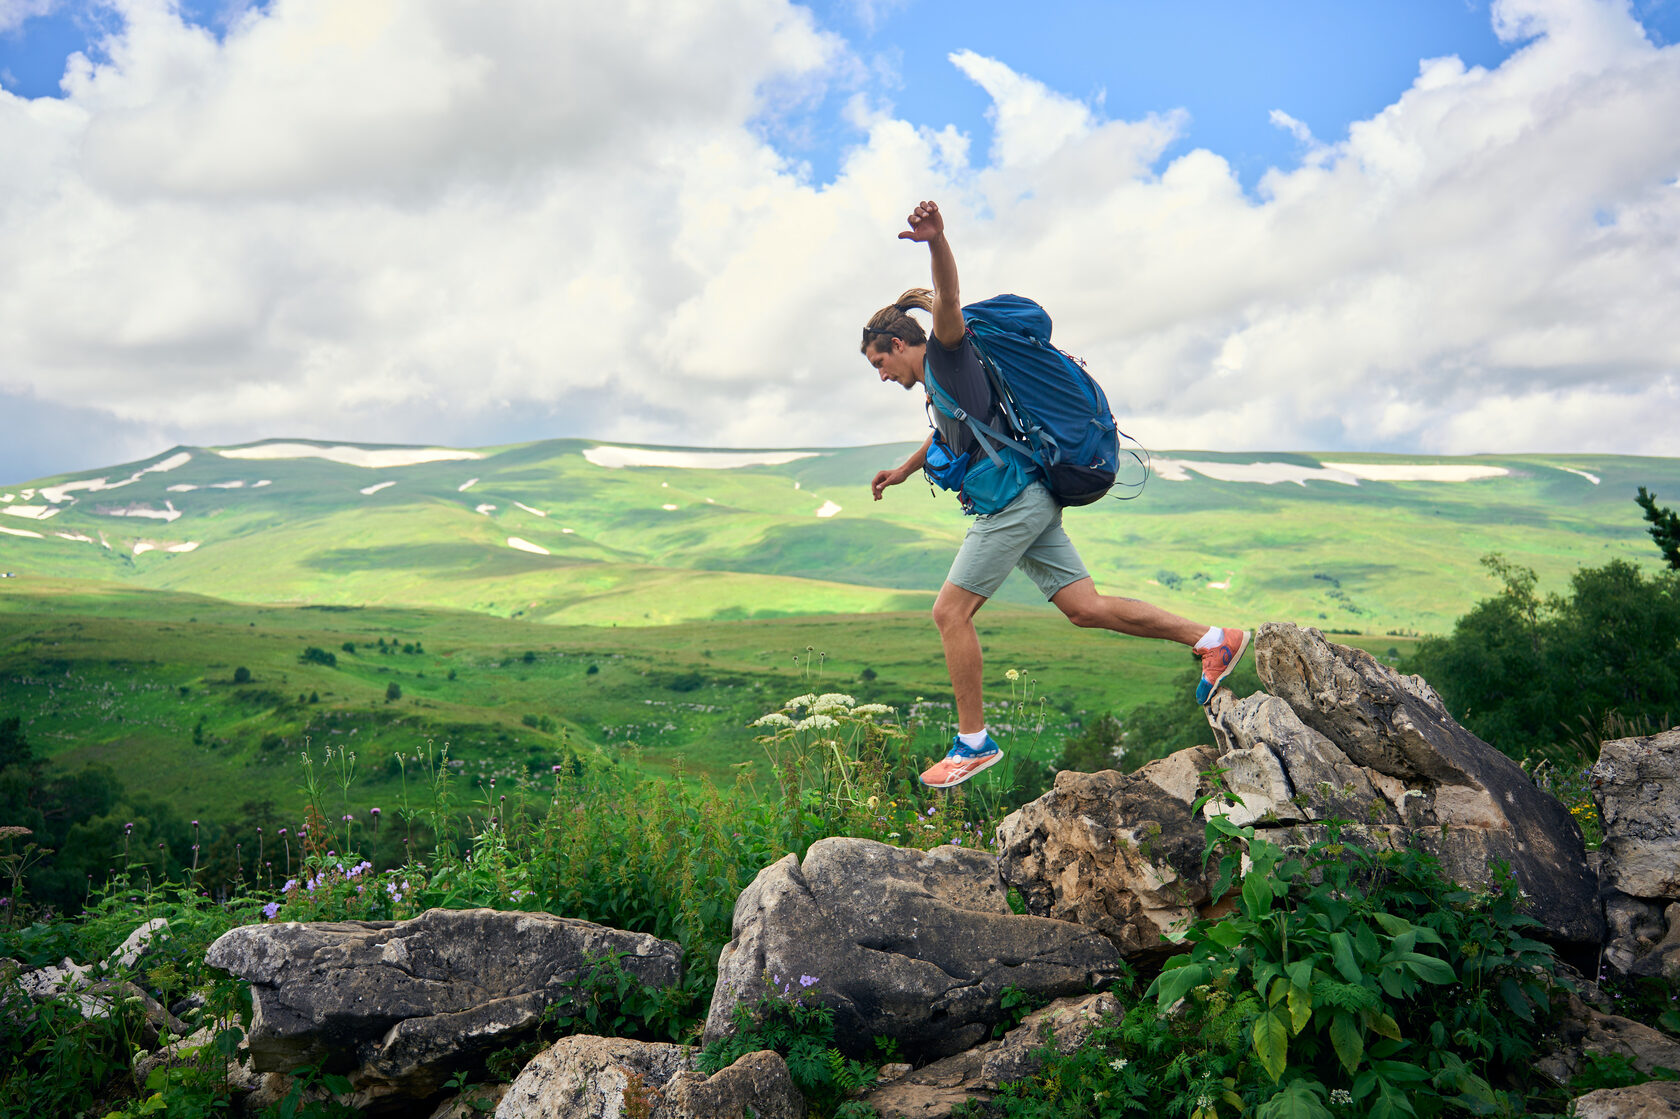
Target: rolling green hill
{"points": [[565, 532]]}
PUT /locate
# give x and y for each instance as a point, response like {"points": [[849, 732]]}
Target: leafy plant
{"points": [[803, 1033]]}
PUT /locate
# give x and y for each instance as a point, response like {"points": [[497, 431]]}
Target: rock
{"points": [[96, 998], [402, 1005], [1643, 937], [934, 1091], [1653, 1100], [197, 1047], [1582, 1030], [1636, 783], [1285, 771], [1663, 960], [916, 946], [1116, 852], [139, 941], [758, 1086], [1476, 808], [606, 1077]]}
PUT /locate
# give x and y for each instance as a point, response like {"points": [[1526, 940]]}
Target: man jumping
{"points": [[1026, 533]]}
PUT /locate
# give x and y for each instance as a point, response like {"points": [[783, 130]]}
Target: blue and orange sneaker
{"points": [[1218, 660], [961, 763]]}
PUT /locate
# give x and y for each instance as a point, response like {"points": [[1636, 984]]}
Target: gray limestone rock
{"points": [[912, 945], [400, 1005], [1636, 782], [607, 1077]]}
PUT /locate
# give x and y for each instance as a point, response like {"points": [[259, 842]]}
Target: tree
{"points": [[1665, 527], [241, 675], [1531, 674], [393, 692]]}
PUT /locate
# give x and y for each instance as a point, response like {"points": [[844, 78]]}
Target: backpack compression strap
{"points": [[984, 434]]}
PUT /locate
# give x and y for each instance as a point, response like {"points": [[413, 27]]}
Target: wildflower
{"points": [[833, 699], [554, 769], [808, 980], [892, 835], [270, 910], [1341, 1096], [956, 841], [374, 812], [816, 722], [874, 803], [282, 831], [872, 709], [774, 719], [128, 828], [800, 701], [1012, 674], [1118, 1064]]}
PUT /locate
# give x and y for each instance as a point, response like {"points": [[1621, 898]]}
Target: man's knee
{"points": [[1083, 613]]}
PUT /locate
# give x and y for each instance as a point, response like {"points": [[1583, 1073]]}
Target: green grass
{"points": [[747, 543]]}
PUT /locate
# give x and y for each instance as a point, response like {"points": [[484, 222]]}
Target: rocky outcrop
{"points": [[608, 1077], [1636, 783], [934, 1091], [1471, 805], [1653, 1100], [916, 946], [400, 1006], [1342, 736], [1116, 852]]}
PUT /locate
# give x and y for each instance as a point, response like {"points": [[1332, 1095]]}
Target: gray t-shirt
{"points": [[961, 375]]}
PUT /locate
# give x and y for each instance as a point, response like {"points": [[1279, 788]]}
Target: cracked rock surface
{"points": [[912, 945], [401, 1005]]}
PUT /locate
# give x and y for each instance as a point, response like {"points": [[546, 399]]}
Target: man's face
{"points": [[895, 363]]}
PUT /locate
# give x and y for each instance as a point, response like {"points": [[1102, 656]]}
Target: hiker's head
{"points": [[894, 342]]}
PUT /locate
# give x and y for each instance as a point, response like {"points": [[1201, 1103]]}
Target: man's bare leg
{"points": [[1085, 607], [953, 613]]}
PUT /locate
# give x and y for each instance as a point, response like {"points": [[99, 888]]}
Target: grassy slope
{"points": [[1377, 557]]}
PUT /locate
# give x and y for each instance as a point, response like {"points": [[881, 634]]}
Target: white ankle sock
{"points": [[1211, 638], [977, 738]]}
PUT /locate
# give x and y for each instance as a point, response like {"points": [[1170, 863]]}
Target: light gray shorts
{"points": [[1026, 533]]}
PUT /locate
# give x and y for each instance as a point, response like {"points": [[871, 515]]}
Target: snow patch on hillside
{"points": [[182, 487], [20, 532], [33, 512], [1265, 473], [614, 458], [527, 546], [143, 547], [828, 509], [1418, 471], [376, 487], [259, 484], [234, 485], [77, 537], [61, 493], [528, 509], [368, 457], [1593, 478], [467, 485], [189, 546], [669, 508], [485, 509], [168, 513]]}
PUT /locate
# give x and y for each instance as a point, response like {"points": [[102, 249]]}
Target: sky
{"points": [[1409, 226]]}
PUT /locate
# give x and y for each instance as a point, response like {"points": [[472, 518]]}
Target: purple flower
{"points": [[127, 828], [282, 831], [270, 910], [808, 980], [373, 812], [555, 769], [290, 883]]}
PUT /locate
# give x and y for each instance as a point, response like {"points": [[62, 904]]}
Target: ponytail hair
{"points": [[894, 321]]}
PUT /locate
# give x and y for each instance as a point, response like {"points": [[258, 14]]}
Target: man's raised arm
{"points": [[927, 225]]}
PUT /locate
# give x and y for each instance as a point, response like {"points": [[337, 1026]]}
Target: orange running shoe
{"points": [[961, 763], [1218, 661]]}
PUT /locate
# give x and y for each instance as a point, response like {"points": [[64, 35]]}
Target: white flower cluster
{"points": [[800, 701], [774, 719], [872, 709], [816, 722]]}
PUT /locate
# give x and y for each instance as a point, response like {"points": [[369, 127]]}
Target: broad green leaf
{"points": [[1512, 993], [1300, 973], [1428, 968], [1348, 1039], [1280, 988], [1257, 895], [1173, 985], [1391, 924], [1384, 1026], [1226, 934], [1341, 951], [1300, 1007], [1296, 1100], [1271, 1043]]}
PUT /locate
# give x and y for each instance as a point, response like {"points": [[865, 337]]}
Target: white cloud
{"points": [[14, 12], [437, 222]]}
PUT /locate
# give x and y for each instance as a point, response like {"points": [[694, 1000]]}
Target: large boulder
{"points": [[1636, 782], [607, 1077], [1120, 853], [1342, 736], [401, 1005], [916, 946], [1470, 804], [1653, 1100]]}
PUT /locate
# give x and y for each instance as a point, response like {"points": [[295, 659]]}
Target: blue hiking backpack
{"points": [[1058, 416]]}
